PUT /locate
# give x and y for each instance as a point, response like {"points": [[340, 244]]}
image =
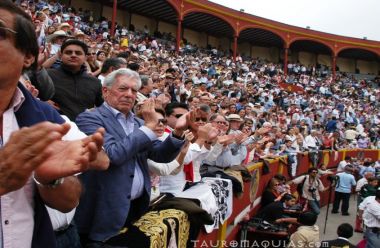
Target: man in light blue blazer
{"points": [[115, 198]]}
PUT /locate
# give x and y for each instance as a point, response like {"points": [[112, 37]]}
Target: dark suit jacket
{"points": [[104, 206], [337, 243], [33, 111]]}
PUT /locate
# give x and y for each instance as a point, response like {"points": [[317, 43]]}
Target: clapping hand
{"points": [[187, 121], [226, 139], [71, 157], [240, 138], [149, 114], [25, 151], [263, 130]]}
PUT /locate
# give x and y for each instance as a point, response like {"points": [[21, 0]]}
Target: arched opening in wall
{"points": [[311, 53], [207, 31], [260, 43], [361, 62], [155, 16]]}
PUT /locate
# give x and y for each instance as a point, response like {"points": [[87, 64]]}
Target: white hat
{"points": [[65, 24], [234, 117], [55, 35], [79, 33]]}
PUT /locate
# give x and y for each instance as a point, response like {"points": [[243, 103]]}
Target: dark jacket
{"points": [[267, 198], [337, 243], [272, 212], [74, 93], [43, 83], [33, 111]]}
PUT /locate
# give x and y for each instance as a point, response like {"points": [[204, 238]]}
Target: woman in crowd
{"points": [[94, 67], [100, 57], [271, 193]]}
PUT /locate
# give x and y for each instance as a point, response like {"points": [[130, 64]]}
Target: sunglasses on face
{"points": [[163, 121], [178, 115], [4, 32], [200, 119]]}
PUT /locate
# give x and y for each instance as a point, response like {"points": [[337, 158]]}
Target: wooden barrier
{"points": [[243, 206]]}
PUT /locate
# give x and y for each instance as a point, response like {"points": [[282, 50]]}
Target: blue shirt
{"points": [[128, 124], [365, 169], [345, 183]]}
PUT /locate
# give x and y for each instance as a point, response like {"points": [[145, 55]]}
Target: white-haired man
{"points": [[117, 197]]}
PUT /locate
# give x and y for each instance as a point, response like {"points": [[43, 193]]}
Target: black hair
{"points": [[99, 52], [169, 109], [371, 179], [112, 62], [345, 230], [307, 218], [311, 170], [170, 70], [188, 81], [70, 42], [378, 194], [25, 39], [161, 111], [124, 55], [133, 66], [280, 177]]}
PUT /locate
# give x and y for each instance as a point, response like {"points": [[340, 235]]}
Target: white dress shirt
{"points": [[310, 142], [342, 164], [371, 215], [176, 183], [362, 181], [17, 214], [58, 219]]}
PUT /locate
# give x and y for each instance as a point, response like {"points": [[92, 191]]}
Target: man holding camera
{"points": [[312, 185], [343, 190]]}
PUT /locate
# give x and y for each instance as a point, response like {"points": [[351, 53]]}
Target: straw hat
{"points": [[55, 35], [65, 24], [234, 117]]}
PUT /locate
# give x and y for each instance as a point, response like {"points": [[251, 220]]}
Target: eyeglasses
{"points": [[163, 121], [178, 115], [200, 119], [92, 54], [3, 32]]}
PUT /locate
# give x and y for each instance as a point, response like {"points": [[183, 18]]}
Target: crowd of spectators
{"points": [[211, 114]]}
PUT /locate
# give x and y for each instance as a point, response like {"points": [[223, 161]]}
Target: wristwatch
{"points": [[51, 185]]}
